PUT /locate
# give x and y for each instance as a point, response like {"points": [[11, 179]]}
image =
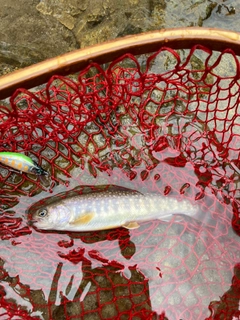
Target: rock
{"points": [[66, 12], [27, 37], [34, 30]]}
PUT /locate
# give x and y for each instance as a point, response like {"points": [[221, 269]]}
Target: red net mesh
{"points": [[167, 122]]}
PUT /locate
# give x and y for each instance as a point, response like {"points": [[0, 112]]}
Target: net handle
{"points": [[179, 38]]}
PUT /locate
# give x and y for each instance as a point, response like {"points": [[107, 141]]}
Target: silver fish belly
{"points": [[107, 210]]}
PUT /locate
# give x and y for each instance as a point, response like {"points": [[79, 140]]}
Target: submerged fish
{"points": [[111, 208], [21, 162]]}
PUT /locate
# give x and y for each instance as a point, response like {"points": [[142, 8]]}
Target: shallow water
{"points": [[177, 268]]}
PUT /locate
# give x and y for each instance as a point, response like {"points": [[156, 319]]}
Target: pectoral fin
{"points": [[84, 219], [131, 225]]}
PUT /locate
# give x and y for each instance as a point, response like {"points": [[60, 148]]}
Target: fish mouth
{"points": [[31, 222], [38, 224]]}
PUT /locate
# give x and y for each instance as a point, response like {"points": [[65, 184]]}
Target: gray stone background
{"points": [[33, 30]]}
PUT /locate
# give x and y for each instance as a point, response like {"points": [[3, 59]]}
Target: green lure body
{"points": [[21, 162]]}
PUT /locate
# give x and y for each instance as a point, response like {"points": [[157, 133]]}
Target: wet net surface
{"points": [[166, 122]]}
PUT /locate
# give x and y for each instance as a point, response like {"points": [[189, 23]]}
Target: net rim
{"points": [[178, 38]]}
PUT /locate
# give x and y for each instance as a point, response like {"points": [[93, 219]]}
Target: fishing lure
{"points": [[21, 162]]}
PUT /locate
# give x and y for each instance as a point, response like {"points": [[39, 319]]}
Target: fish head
{"points": [[48, 217]]}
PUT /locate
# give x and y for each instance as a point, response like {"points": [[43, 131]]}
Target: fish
{"points": [[21, 163], [110, 208]]}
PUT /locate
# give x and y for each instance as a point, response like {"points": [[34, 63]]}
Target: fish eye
{"points": [[42, 213]]}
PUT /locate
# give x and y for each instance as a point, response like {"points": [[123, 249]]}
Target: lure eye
{"points": [[42, 213]]}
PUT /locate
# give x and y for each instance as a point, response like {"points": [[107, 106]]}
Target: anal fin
{"points": [[131, 225]]}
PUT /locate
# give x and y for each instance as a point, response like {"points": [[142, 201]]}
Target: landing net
{"points": [[166, 122]]}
